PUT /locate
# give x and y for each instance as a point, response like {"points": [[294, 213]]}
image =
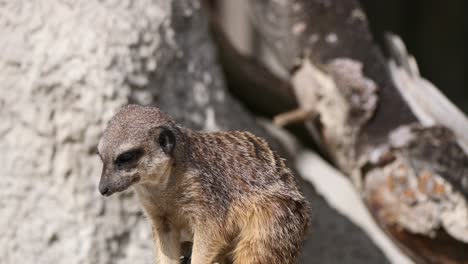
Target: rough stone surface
{"points": [[65, 68]]}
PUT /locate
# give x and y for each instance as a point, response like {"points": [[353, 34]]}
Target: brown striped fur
{"points": [[228, 192]]}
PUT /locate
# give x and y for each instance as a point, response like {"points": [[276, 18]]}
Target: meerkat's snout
{"points": [[108, 186], [104, 190], [121, 173]]}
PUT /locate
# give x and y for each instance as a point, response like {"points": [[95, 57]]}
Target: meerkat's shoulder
{"points": [[235, 136], [245, 146], [238, 141]]}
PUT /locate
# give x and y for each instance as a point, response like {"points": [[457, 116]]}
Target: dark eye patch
{"points": [[128, 157]]}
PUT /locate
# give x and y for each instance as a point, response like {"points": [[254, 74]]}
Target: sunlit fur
{"points": [[228, 192]]}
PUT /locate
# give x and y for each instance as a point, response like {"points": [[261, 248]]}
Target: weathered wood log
{"points": [[413, 175], [248, 79], [250, 82]]}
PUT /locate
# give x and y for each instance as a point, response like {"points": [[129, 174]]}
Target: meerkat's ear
{"points": [[166, 140]]}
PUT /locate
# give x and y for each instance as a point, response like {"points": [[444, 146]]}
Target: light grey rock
{"points": [[65, 68]]}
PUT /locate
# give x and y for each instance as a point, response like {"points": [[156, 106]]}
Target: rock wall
{"points": [[65, 68]]}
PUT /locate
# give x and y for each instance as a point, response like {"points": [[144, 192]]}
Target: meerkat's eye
{"points": [[129, 157]]}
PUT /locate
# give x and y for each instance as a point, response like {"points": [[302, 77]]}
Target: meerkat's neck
{"points": [[158, 197], [162, 197]]}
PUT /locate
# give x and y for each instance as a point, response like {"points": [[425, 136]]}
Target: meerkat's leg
{"points": [[270, 235], [258, 247], [206, 248], [167, 243], [251, 248]]}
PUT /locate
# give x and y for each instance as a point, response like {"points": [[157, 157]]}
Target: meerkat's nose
{"points": [[104, 190]]}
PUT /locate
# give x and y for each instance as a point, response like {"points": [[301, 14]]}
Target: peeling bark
{"points": [[415, 187]]}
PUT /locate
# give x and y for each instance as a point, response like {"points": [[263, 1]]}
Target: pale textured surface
{"points": [[65, 67]]}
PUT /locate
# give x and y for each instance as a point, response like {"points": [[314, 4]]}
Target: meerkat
{"points": [[227, 192]]}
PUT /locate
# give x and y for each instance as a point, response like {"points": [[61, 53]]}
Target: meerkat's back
{"points": [[242, 160], [254, 196]]}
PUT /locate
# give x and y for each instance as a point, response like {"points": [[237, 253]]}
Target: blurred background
{"points": [[66, 67], [435, 33]]}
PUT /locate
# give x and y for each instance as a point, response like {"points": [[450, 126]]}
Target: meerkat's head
{"points": [[136, 147]]}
